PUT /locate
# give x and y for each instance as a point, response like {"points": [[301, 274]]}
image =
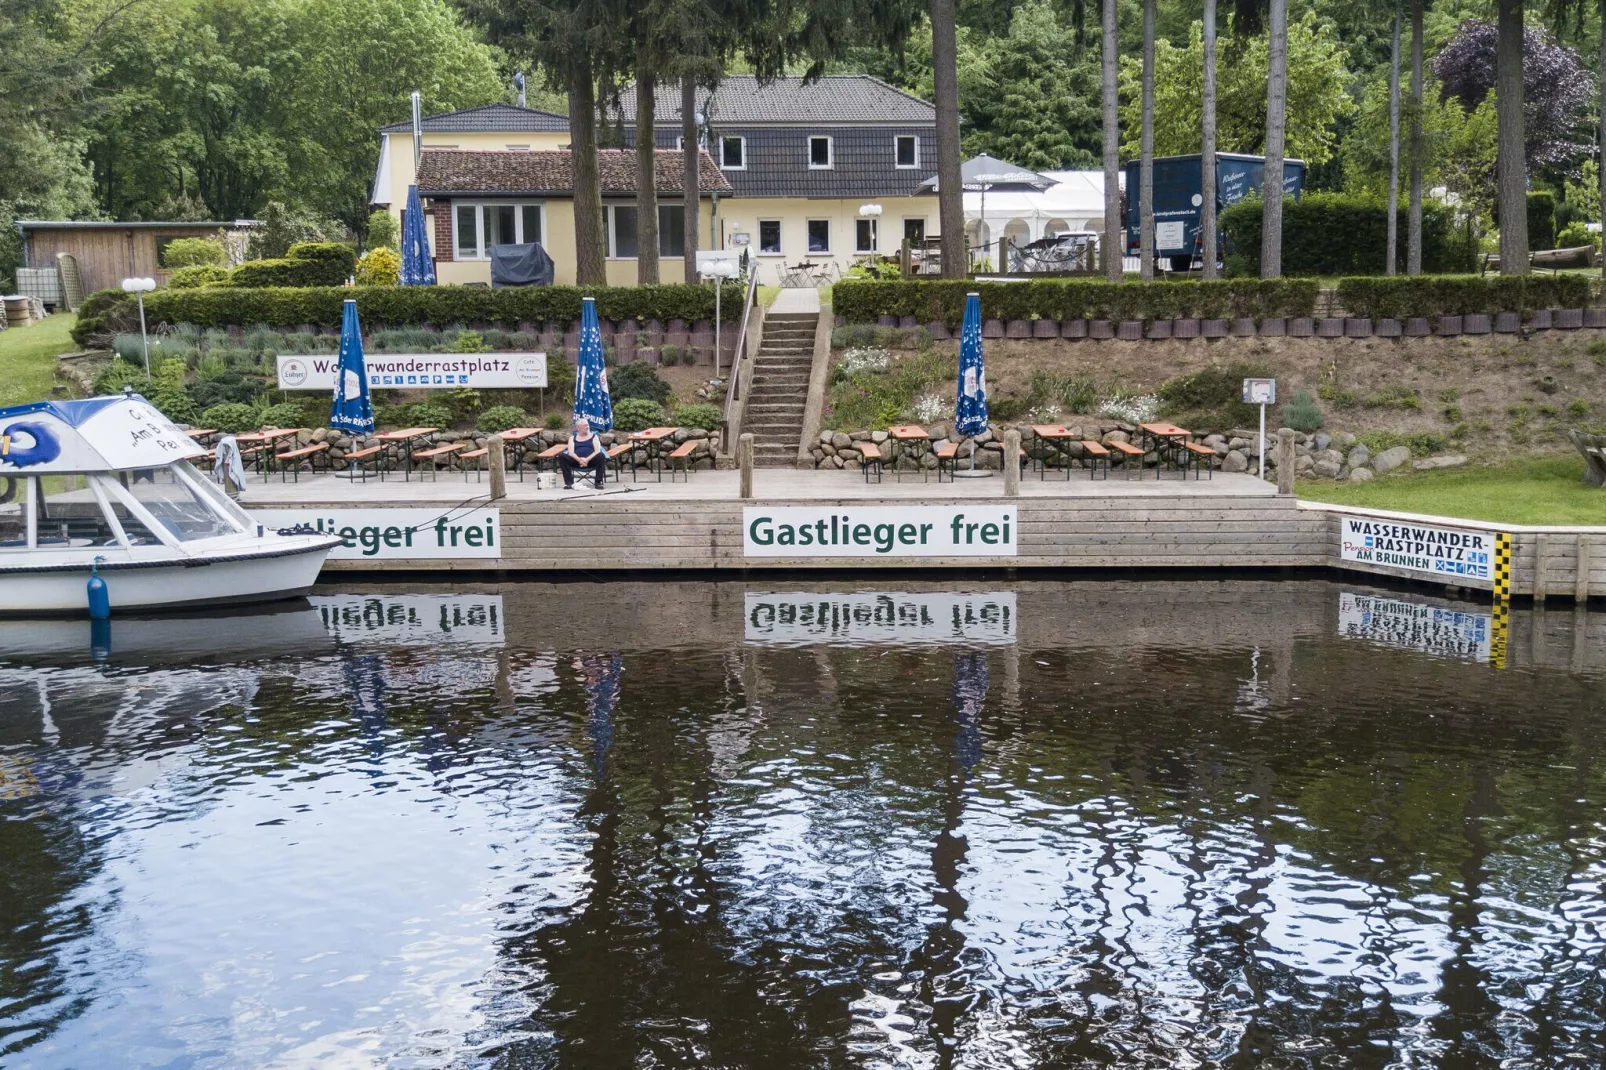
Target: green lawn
{"points": [[1528, 490], [28, 359]]}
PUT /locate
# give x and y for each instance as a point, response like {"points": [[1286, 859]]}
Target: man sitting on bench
{"points": [[585, 452]]}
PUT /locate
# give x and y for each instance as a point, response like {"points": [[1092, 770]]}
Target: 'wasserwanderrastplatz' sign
{"points": [[1436, 551]]}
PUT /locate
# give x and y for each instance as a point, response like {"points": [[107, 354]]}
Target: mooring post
{"points": [[1012, 463], [1581, 578], [496, 461], [1285, 460], [744, 460], [1541, 567]]}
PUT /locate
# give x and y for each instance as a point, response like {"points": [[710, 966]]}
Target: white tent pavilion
{"points": [[1073, 205]]}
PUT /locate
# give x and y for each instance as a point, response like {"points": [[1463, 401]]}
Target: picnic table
{"points": [[652, 439], [261, 446], [201, 434], [405, 439], [1167, 440], [519, 439], [1052, 438], [910, 438]]}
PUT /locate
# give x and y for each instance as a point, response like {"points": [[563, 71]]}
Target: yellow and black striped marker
{"points": [[1499, 629], [1502, 567]]}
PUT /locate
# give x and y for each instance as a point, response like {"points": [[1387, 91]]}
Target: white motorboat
{"points": [[107, 484]]}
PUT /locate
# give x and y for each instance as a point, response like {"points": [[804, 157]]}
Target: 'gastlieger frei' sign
{"points": [[398, 534], [1418, 547], [420, 371], [968, 530]]}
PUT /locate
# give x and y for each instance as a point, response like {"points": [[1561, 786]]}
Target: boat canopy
{"points": [[109, 434]]}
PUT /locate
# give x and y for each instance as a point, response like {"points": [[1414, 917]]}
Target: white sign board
{"points": [[1260, 391], [968, 530], [420, 371], [1445, 633], [880, 617], [1418, 547], [413, 618], [1172, 235], [398, 534]]}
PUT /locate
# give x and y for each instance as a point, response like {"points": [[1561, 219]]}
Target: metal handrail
{"points": [[734, 393]]}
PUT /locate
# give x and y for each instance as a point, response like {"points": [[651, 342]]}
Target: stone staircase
{"points": [[780, 387]]}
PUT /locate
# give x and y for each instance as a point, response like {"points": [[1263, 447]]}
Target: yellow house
{"points": [[479, 199], [491, 128]]}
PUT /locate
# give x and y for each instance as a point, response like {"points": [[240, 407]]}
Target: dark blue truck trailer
{"points": [[1177, 200]]}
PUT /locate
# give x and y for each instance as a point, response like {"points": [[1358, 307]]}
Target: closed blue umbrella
{"points": [[351, 409], [591, 400], [970, 412], [969, 695], [417, 266]]}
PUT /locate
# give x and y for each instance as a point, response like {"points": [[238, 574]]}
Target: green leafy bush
{"points": [[1577, 235], [1212, 397], [189, 278], [334, 254], [708, 417], [1340, 234], [1459, 295], [1302, 413], [637, 381], [284, 414], [119, 373], [175, 405], [429, 414], [379, 266], [194, 252], [500, 418], [469, 342], [554, 421], [384, 231], [637, 414], [102, 313], [233, 417]]}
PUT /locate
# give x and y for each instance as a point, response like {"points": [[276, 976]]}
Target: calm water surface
{"points": [[1164, 824]]}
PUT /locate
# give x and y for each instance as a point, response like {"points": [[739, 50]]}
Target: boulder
{"points": [[841, 441], [1328, 455], [1358, 456], [1303, 464], [1321, 440], [828, 449], [1327, 468], [878, 437], [1237, 442], [859, 436], [1116, 436], [1361, 475], [850, 455], [1343, 440], [826, 437], [1235, 461], [1448, 460], [1389, 460]]}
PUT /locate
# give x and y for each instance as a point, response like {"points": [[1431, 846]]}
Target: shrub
{"points": [[708, 417], [1339, 234], [429, 414], [1576, 235], [232, 417], [104, 312], [379, 267], [189, 278], [468, 342], [1541, 220], [637, 414], [1213, 396], [194, 252], [282, 226], [1302, 413], [119, 373], [335, 254], [1460, 295], [305, 264], [553, 422], [669, 355], [284, 414], [384, 232], [175, 405], [500, 418], [636, 381]]}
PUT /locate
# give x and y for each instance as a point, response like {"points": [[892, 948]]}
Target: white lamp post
{"points": [[719, 268], [872, 212], [139, 288]]}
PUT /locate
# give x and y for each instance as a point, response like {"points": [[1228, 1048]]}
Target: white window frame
{"points": [[723, 166], [482, 252], [830, 152], [780, 229], [913, 219], [611, 230], [875, 235], [817, 252], [905, 166]]}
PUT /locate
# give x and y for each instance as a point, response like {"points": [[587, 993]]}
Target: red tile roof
{"points": [[445, 173]]}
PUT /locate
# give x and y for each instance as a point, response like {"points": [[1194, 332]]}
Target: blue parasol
{"points": [[591, 400], [970, 412], [969, 694], [417, 266], [351, 410]]}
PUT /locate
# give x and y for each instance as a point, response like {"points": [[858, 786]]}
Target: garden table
{"points": [[1052, 438], [908, 437], [1166, 440], [519, 439], [404, 440], [652, 440]]}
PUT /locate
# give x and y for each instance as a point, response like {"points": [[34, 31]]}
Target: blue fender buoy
{"points": [[100, 639], [100, 601]]}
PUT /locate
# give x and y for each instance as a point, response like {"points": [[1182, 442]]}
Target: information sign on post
{"points": [[1261, 392]]}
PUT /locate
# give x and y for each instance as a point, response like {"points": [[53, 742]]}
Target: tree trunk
{"points": [[1207, 157], [691, 158], [1114, 225], [646, 169], [1512, 166], [590, 244], [1271, 187], [1390, 268], [1413, 226], [1146, 153], [950, 187]]}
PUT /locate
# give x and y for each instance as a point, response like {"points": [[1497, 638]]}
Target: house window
{"points": [[733, 153], [864, 236], [769, 236], [906, 148], [819, 153], [915, 230], [478, 226], [622, 224], [819, 235]]}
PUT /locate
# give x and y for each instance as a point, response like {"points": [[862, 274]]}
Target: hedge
{"points": [[1341, 234], [1460, 295], [1074, 299], [109, 311]]}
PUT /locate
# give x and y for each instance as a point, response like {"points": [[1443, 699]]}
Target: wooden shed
{"points": [[108, 253]]}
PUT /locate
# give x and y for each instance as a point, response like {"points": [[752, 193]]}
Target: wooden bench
{"points": [[616, 457], [1129, 453], [358, 460], [1201, 455], [295, 457], [476, 456], [684, 459], [550, 455], [1099, 456], [872, 460], [434, 455], [948, 454]]}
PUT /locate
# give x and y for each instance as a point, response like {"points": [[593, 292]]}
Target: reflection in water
{"points": [[1127, 824]]}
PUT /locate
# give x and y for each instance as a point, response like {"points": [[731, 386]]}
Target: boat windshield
{"points": [[174, 504]]}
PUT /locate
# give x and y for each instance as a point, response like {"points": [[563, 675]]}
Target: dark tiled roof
{"points": [[487, 118], [448, 172], [834, 100], [863, 161]]}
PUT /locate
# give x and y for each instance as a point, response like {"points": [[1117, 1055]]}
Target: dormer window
{"points": [[819, 153], [906, 150], [733, 153]]}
